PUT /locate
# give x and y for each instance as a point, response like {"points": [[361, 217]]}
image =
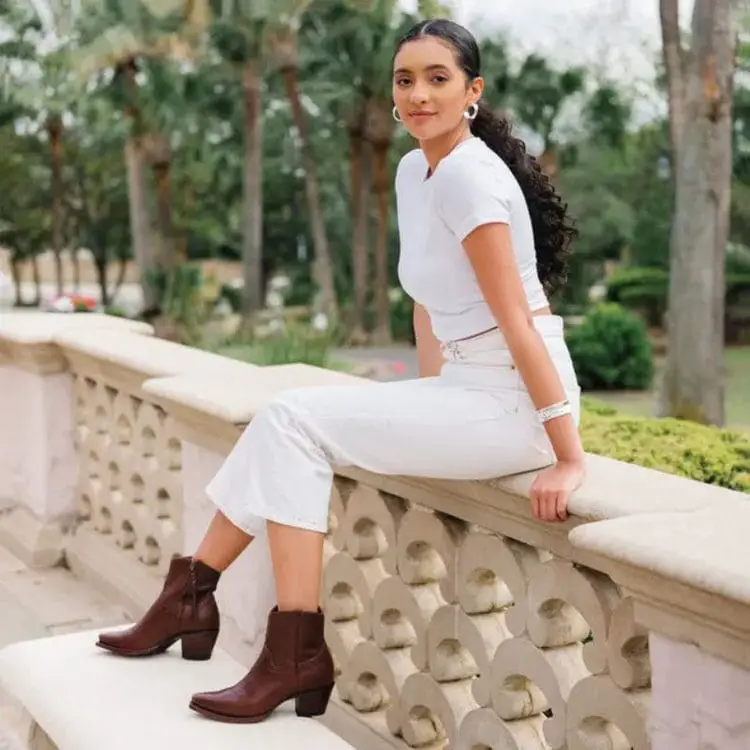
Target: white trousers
{"points": [[474, 421]]}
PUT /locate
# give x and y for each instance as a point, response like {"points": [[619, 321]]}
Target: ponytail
{"points": [[553, 229]]}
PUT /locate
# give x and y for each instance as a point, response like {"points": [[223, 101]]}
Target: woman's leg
{"points": [[297, 557], [222, 543], [281, 472], [185, 609]]}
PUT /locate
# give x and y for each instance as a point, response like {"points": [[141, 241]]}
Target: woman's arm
{"points": [[429, 356], [489, 248]]}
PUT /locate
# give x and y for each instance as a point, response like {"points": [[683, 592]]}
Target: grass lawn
{"points": [[737, 364], [277, 353]]}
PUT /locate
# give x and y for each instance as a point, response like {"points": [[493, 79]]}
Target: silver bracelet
{"points": [[554, 410]]}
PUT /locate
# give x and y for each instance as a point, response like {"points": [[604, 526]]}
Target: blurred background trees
{"points": [[191, 151]]}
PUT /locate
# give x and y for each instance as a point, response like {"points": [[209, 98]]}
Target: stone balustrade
{"points": [[455, 618]]}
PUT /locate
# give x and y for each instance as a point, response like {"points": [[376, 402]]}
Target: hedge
{"points": [[646, 289], [706, 454]]}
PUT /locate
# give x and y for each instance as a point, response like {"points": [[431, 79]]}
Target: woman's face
{"points": [[430, 91]]}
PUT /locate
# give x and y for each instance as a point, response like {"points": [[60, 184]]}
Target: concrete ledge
{"points": [[38, 544], [29, 339], [688, 573], [235, 396], [86, 699]]}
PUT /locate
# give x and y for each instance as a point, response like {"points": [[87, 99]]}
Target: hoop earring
{"points": [[396, 115], [472, 112]]}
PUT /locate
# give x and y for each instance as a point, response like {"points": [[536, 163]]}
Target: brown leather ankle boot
{"points": [[295, 663], [185, 610]]}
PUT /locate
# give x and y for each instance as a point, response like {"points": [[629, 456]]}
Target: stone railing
{"points": [[456, 619]]}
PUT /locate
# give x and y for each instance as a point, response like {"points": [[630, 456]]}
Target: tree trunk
{"points": [[37, 280], [75, 260], [15, 272], [674, 61], [140, 229], [158, 155], [100, 263], [549, 162], [252, 181], [54, 131], [167, 256], [359, 153], [120, 280], [382, 332], [322, 265], [140, 222], [693, 386]]}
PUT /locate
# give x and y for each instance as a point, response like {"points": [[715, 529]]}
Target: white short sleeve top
{"points": [[470, 187]]}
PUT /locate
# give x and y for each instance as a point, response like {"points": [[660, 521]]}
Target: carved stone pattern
{"points": [[129, 480], [447, 636]]}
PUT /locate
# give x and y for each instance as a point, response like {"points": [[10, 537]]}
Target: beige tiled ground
{"points": [[36, 603]]}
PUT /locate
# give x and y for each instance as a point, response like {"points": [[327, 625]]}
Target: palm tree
{"points": [[249, 34], [356, 39], [332, 39], [283, 44], [360, 47], [118, 38], [40, 85], [245, 34]]}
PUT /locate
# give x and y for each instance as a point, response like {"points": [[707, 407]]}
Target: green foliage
{"points": [[298, 345], [611, 350], [706, 454], [233, 295], [115, 311], [640, 288], [607, 115], [646, 290], [184, 309], [539, 91], [402, 316]]}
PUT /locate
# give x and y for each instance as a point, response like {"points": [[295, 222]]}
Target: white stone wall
{"points": [[699, 702], [455, 618], [38, 467]]}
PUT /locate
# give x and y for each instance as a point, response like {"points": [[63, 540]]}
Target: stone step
{"points": [[36, 604], [84, 698]]}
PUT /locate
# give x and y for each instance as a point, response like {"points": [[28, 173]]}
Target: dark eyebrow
{"points": [[429, 67]]}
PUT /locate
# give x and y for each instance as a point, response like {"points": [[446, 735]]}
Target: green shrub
{"points": [[642, 289], [687, 449], [115, 311], [233, 295], [611, 350], [646, 291], [402, 316]]}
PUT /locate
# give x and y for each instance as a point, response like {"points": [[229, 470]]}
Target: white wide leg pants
{"points": [[474, 421]]}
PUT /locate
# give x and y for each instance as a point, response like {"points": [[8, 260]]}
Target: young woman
{"points": [[484, 239]]}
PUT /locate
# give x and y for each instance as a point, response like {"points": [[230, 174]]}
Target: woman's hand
{"points": [[553, 487]]}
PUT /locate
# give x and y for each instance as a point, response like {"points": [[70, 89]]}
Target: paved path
{"points": [[392, 363], [36, 603]]}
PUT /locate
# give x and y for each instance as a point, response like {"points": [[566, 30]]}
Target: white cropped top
{"points": [[470, 187]]}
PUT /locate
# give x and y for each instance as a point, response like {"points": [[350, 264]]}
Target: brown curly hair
{"points": [[554, 230]]}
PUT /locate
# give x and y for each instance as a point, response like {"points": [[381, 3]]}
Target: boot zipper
{"points": [[194, 586]]}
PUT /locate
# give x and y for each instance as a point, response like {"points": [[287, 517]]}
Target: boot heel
{"points": [[199, 646], [313, 702]]}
